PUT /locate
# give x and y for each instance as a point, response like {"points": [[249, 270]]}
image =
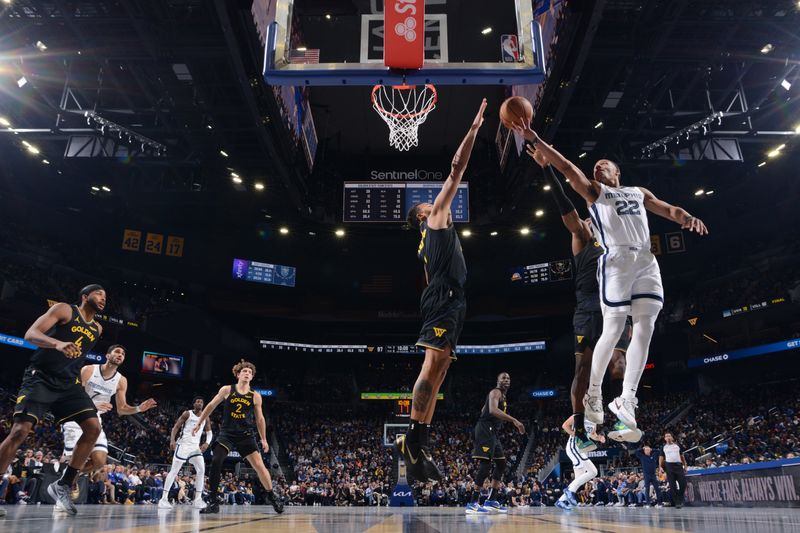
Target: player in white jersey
{"points": [[628, 274], [188, 448], [584, 468], [101, 383]]}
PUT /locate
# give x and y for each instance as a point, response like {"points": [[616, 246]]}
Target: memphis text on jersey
{"points": [[623, 194], [238, 402]]}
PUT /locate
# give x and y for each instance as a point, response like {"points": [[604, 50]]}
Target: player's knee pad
{"points": [[484, 467], [500, 466]]}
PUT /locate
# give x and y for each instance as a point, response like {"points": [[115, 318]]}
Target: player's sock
{"points": [[579, 425], [414, 434], [69, 476]]}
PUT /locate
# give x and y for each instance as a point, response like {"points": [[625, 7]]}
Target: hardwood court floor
{"points": [[148, 519]]}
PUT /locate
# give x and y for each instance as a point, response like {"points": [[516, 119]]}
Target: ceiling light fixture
{"points": [[284, 230], [466, 233], [41, 46], [786, 85], [223, 153], [546, 188], [45, 162], [21, 82], [762, 164], [4, 122], [340, 232], [32, 149], [328, 16], [539, 213], [493, 234], [767, 48], [236, 179], [583, 154], [486, 31], [524, 231], [105, 188], [259, 186], [699, 192], [797, 128], [598, 125], [709, 193], [95, 189], [703, 126], [302, 49]]}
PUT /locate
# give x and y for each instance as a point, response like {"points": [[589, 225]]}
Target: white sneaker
{"points": [[593, 408], [164, 504], [619, 504], [59, 507], [199, 503], [625, 409]]}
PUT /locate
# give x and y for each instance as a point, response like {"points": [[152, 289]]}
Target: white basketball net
{"points": [[403, 108]]}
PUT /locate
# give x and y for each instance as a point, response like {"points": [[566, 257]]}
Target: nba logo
{"points": [[509, 47]]}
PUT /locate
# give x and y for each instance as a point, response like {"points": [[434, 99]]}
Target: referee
{"points": [[673, 462]]}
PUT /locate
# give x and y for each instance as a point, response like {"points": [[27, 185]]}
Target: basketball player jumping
{"points": [[488, 449], [588, 318], [629, 277], [242, 411], [101, 382], [188, 448], [443, 307], [51, 384]]}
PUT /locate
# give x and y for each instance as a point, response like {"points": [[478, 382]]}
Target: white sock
{"points": [[636, 358], [200, 471], [612, 329], [173, 474]]}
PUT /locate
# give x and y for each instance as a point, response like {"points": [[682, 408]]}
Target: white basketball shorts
{"points": [[72, 432], [626, 275]]}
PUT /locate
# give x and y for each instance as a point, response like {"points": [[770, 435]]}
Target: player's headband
{"points": [[90, 289]]}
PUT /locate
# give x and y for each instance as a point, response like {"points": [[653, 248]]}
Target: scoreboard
{"points": [[246, 270], [542, 272], [389, 202]]}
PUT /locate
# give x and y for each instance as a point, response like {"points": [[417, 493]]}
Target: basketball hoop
{"points": [[403, 108]]}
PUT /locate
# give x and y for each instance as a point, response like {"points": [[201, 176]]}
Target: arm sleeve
{"points": [[209, 434], [562, 200]]}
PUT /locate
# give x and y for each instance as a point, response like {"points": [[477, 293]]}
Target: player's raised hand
{"points": [[478, 122], [147, 405], [524, 129], [696, 225]]}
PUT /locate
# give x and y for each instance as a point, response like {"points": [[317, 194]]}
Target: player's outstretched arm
{"points": [[122, 402], [673, 213], [589, 190], [60, 313], [223, 393], [441, 206]]}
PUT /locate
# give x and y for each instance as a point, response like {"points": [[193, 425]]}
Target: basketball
{"points": [[515, 108]]}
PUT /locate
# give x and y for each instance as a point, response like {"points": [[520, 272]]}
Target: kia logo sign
{"points": [[401, 494]]}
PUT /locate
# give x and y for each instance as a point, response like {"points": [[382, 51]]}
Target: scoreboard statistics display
{"points": [[389, 202], [256, 272], [542, 272]]}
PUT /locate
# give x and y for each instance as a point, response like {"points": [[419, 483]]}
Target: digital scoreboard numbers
{"points": [[389, 202], [373, 202], [256, 272], [542, 272]]}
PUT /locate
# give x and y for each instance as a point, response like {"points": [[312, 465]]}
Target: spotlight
{"points": [[95, 189], [237, 179], [709, 193], [4, 122], [41, 46], [797, 128], [525, 230], [546, 188], [284, 230], [466, 233], [223, 153], [339, 232], [699, 192], [234, 175], [762, 164], [328, 16], [302, 49], [259, 186], [539, 213], [786, 85], [486, 31], [21, 82], [598, 125], [493, 234], [45, 162], [32, 149], [767, 48], [106, 189], [583, 154]]}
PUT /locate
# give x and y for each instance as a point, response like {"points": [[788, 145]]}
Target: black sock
{"points": [[578, 424], [425, 435], [414, 435], [69, 476], [475, 496], [271, 495]]}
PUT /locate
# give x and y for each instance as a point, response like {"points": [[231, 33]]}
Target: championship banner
{"points": [[404, 37], [768, 484]]}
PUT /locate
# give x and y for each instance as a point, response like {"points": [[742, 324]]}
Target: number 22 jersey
{"points": [[619, 217]]}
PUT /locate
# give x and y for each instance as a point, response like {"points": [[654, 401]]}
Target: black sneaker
{"points": [[211, 508], [419, 462], [276, 501]]}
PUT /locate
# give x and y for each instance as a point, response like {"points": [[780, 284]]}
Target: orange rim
{"points": [[425, 111]]}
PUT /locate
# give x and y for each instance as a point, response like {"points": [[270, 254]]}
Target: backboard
{"points": [[341, 42]]}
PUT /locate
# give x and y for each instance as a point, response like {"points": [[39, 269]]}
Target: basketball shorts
{"points": [[72, 432], [486, 444], [627, 274], [184, 452], [588, 328], [37, 397], [443, 308], [244, 443]]}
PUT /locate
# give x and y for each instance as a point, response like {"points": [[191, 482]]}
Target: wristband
{"points": [[138, 408]]}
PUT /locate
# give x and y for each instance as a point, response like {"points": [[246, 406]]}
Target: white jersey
{"points": [[619, 217], [186, 438], [100, 389]]}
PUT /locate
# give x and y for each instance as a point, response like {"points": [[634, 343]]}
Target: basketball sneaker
{"points": [[163, 503], [495, 507], [623, 433], [419, 462], [212, 507], [570, 496], [563, 504], [198, 503], [625, 409], [474, 508], [584, 444], [61, 494], [275, 500], [593, 408]]}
